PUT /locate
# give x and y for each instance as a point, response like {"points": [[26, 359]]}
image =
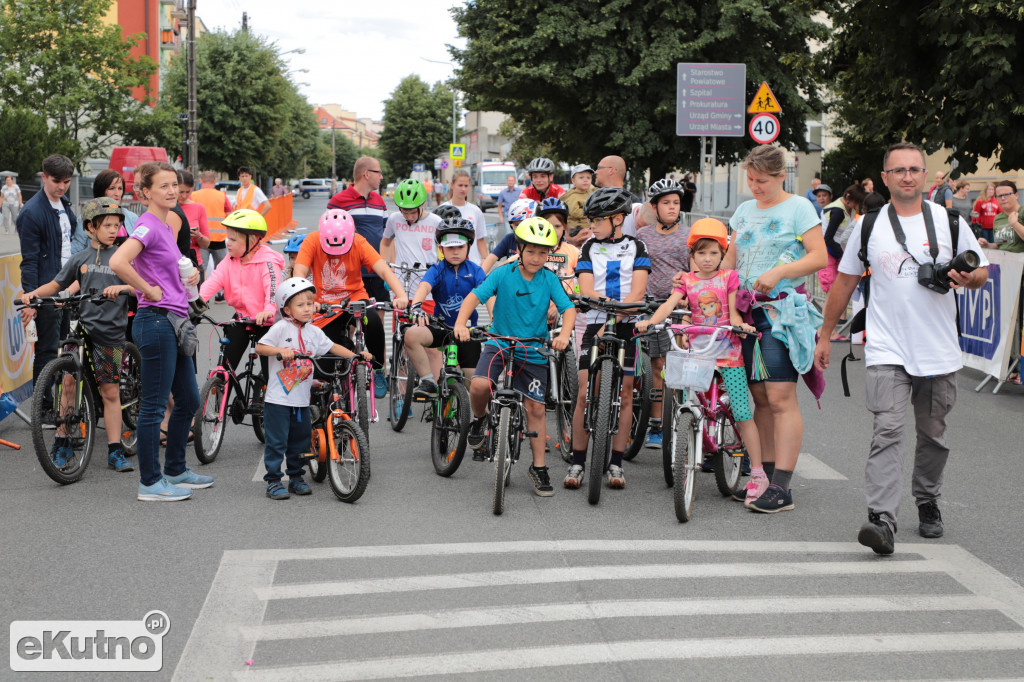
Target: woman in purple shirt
{"points": [[148, 261]]}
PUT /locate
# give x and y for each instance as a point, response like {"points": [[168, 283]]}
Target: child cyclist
{"points": [[409, 231], [105, 322], [666, 242], [711, 293], [286, 419], [616, 267], [291, 251], [522, 292], [520, 210], [449, 281], [249, 278]]}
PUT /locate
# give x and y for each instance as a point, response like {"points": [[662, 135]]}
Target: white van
{"points": [[307, 187]]}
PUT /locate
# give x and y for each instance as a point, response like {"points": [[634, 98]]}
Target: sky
{"points": [[356, 53]]}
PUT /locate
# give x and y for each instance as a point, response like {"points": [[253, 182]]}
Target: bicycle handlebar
{"points": [[611, 304], [92, 296]]}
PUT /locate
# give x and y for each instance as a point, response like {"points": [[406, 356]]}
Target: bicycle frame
{"points": [[225, 372]]}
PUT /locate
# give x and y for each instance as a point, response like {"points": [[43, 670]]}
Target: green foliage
{"points": [[939, 74], [249, 112], [417, 124], [385, 167], [345, 155], [25, 141], [853, 161], [592, 79], [525, 147], [61, 60]]}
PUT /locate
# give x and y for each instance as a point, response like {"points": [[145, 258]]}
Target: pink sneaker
{"points": [[755, 488]]}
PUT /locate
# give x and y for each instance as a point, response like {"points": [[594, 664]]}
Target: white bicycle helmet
{"points": [[521, 209], [290, 287]]}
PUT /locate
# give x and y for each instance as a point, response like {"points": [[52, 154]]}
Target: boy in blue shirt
{"points": [[450, 281], [522, 293]]}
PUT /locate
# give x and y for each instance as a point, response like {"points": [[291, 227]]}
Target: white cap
{"points": [[454, 240], [579, 168]]}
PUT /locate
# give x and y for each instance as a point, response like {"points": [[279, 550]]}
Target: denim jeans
{"points": [[164, 371], [52, 325], [287, 431]]}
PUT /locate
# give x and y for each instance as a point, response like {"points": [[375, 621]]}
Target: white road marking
{"points": [[809, 466], [261, 469]]}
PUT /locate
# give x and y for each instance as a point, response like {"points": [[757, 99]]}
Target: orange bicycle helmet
{"points": [[709, 228]]}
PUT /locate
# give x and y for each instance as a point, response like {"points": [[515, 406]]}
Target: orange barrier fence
{"points": [[279, 217]]}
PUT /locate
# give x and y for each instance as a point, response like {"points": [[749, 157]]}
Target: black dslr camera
{"points": [[936, 276]]}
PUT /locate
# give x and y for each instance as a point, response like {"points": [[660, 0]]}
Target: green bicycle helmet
{"points": [[246, 221], [536, 231], [410, 194]]}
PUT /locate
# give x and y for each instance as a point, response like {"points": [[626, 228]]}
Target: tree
{"points": [[417, 124], [249, 112], [938, 74], [591, 80], [63, 61], [25, 141]]}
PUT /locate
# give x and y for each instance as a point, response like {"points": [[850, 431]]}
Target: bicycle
{"points": [[401, 374], [604, 386], [699, 420], [340, 451], [507, 416], [563, 386], [66, 394]]}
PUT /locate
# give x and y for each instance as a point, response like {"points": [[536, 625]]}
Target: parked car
{"points": [[228, 186], [307, 187]]}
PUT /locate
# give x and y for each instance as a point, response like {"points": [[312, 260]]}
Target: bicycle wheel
{"points": [[449, 428], [131, 398], [361, 410], [349, 473], [502, 459], [259, 394], [601, 434], [64, 410], [668, 417], [402, 381], [317, 469], [568, 387], [684, 455], [643, 381], [209, 424], [728, 465]]}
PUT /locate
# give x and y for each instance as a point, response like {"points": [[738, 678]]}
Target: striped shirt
{"points": [[612, 263]]}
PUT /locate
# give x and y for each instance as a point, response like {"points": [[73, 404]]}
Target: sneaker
{"points": [[708, 465], [60, 454], [774, 499], [426, 388], [276, 491], [190, 479], [476, 437], [573, 479], [653, 440], [299, 487], [745, 466], [755, 488], [616, 479], [380, 384], [163, 491], [541, 481], [116, 461], [877, 534], [931, 520]]}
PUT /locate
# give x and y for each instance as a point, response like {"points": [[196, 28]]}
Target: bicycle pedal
{"points": [[530, 434]]}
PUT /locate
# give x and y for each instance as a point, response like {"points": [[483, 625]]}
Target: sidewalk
{"points": [[9, 244]]}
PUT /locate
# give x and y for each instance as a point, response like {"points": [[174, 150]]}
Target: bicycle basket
{"points": [[689, 370]]}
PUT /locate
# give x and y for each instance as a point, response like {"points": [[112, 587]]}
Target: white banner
{"points": [[988, 315]]}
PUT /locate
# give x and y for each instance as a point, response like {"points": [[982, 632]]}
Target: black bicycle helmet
{"points": [[662, 188], [553, 205], [455, 227], [608, 201], [446, 211], [541, 164]]}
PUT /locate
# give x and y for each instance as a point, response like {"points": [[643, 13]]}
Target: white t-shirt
{"points": [[473, 213], [413, 243], [258, 197], [65, 231], [908, 324], [629, 224], [290, 382]]}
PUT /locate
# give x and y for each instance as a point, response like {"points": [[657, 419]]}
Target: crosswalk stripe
{"points": [[548, 613], [809, 466], [629, 651], [537, 576]]}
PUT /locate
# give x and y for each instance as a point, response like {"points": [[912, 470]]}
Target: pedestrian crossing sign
{"points": [[457, 151], [764, 101]]}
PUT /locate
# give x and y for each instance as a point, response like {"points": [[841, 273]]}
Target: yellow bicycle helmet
{"points": [[536, 231], [247, 221]]}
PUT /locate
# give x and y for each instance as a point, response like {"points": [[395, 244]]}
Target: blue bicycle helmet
{"points": [[553, 205], [294, 243]]}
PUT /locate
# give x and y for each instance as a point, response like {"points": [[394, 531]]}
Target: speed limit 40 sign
{"points": [[764, 128]]}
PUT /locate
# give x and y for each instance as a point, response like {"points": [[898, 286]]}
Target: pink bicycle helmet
{"points": [[337, 232]]}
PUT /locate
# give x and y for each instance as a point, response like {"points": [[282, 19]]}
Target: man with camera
{"points": [[912, 352]]}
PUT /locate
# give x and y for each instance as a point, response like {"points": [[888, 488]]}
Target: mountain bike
{"points": [[227, 395], [66, 395]]}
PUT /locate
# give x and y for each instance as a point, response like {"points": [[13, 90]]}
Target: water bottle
{"points": [[791, 253], [185, 270], [31, 335]]}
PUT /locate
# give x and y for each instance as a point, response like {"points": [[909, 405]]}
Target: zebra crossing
{"points": [[602, 609]]}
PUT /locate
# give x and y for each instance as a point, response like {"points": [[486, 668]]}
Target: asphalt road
{"points": [[419, 579]]}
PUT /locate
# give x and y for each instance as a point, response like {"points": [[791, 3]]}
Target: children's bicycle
{"points": [[66, 395], [507, 425], [563, 385], [401, 375], [226, 395], [699, 420]]}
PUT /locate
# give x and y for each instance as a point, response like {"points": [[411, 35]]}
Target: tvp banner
{"points": [[988, 315]]}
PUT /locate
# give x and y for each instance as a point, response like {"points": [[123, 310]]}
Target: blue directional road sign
{"points": [[419, 167], [710, 100]]}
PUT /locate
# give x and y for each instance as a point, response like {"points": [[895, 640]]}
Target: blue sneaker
{"points": [[162, 491], [276, 491], [380, 384], [190, 479], [299, 487], [60, 454], [653, 440], [117, 461]]}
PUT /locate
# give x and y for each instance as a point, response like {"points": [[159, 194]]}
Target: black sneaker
{"points": [[541, 481], [877, 535], [774, 499], [931, 520], [477, 436], [426, 388]]}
